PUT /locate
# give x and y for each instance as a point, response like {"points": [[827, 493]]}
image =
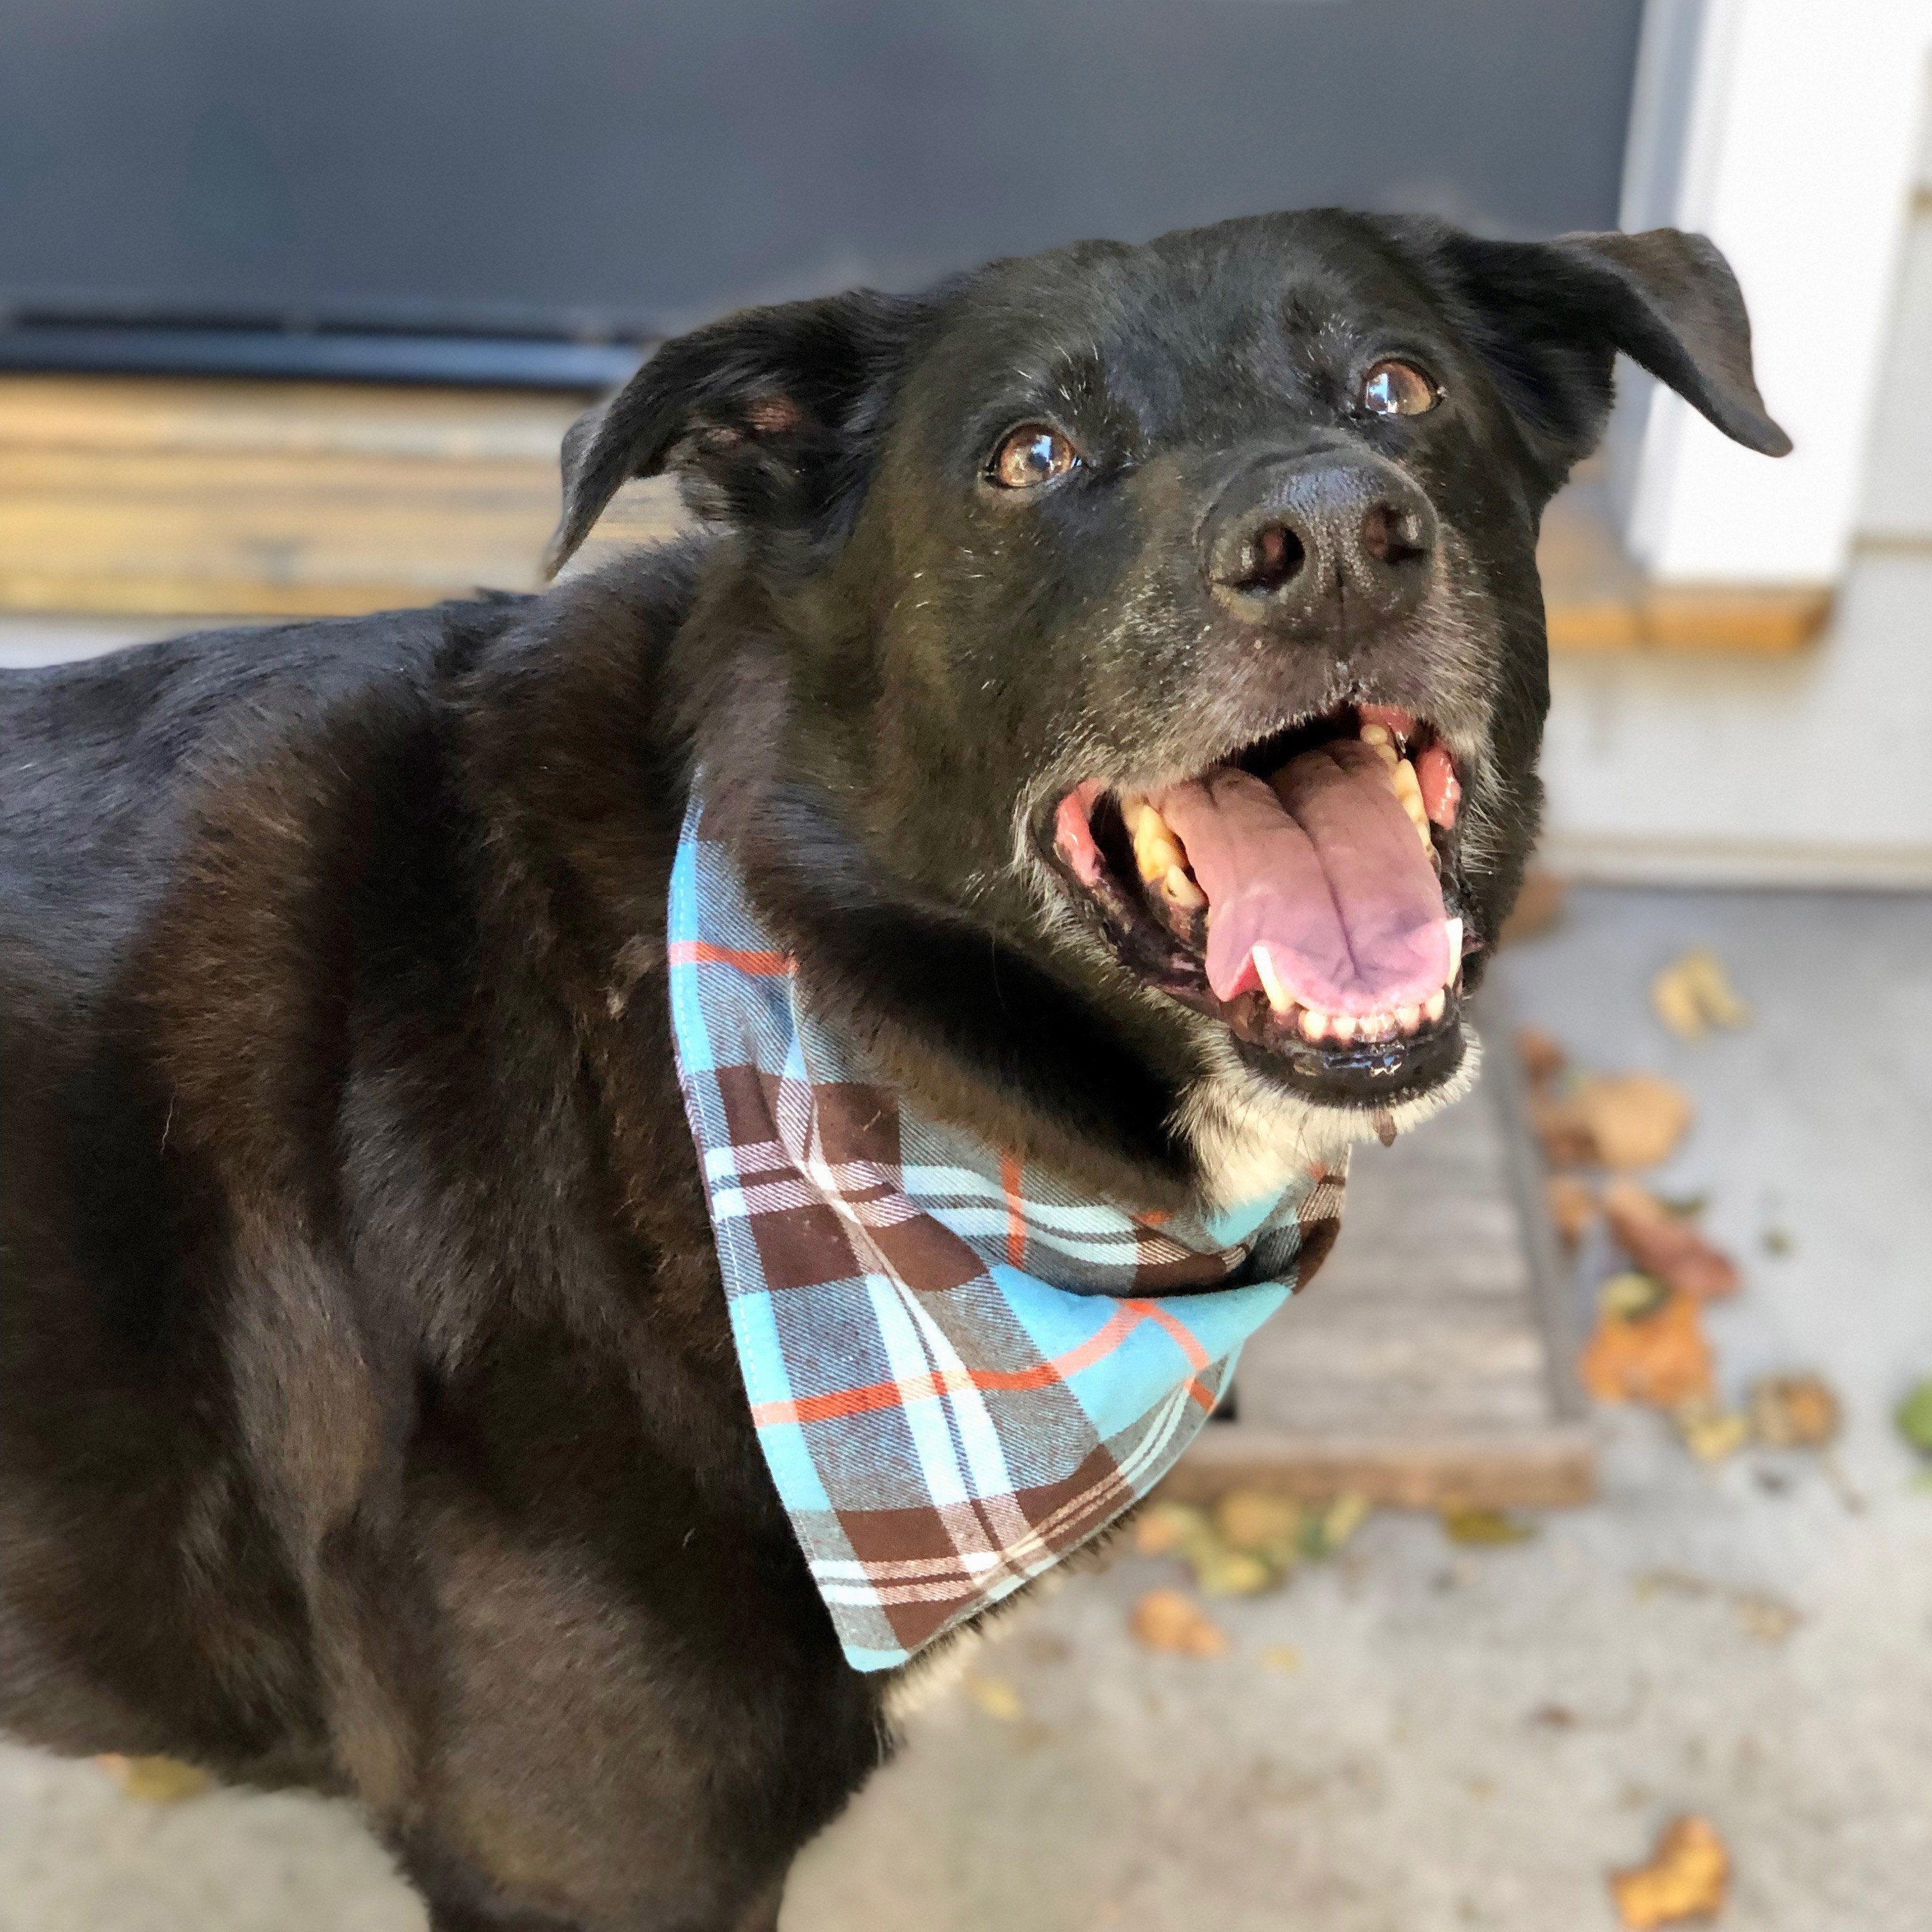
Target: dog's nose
{"points": [[1314, 544]]}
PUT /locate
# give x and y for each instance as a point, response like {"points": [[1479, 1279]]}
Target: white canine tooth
{"points": [[1314, 1025], [1182, 891], [1278, 996], [1455, 928], [1376, 734], [1436, 1003], [1342, 1025], [1406, 1017]]}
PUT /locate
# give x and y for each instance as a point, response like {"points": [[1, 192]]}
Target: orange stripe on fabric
{"points": [[923, 1388], [702, 952], [1184, 1340], [1010, 1176]]}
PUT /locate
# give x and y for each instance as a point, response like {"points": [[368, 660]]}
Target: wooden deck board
{"points": [[178, 497], [1429, 1362]]}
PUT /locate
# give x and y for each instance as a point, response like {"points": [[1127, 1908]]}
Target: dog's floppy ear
{"points": [[1549, 318], [771, 408]]}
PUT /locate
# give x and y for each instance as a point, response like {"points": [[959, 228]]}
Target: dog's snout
{"points": [[1299, 544]]}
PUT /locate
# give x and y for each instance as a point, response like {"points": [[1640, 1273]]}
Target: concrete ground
{"points": [[1415, 1737]]}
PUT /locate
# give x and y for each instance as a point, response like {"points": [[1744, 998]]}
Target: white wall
{"points": [[1818, 769]]}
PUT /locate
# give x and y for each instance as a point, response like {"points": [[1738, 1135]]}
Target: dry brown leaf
{"points": [[155, 1780], [1687, 1878], [1694, 994], [1562, 1132], [1632, 1119], [1165, 1529], [1262, 1524], [1793, 1411], [1767, 1618], [1538, 907], [1541, 1054], [1171, 1620], [996, 1697], [1664, 1244], [1573, 1206], [1661, 1358], [1710, 1431]]}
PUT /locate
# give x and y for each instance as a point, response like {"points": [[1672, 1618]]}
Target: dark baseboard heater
{"points": [[315, 355]]}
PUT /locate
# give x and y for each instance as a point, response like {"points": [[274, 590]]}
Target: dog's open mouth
{"points": [[1296, 892]]}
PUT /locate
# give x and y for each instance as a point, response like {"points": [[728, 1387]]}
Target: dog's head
{"points": [[1130, 660]]}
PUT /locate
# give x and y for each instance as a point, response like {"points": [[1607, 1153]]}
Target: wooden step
{"points": [[1430, 1362], [134, 495]]}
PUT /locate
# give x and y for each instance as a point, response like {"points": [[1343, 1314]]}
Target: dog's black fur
{"points": [[368, 1414]]}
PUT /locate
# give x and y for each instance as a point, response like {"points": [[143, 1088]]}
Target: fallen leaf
{"points": [[1573, 1206], [1633, 1120], [1914, 1418], [1171, 1620], [1562, 1132], [1664, 1244], [1687, 1878], [1541, 1054], [1334, 1526], [1694, 994], [1661, 1358], [1264, 1525], [996, 1697], [1165, 1529], [1538, 907], [1219, 1571], [1769, 1619], [1484, 1527], [1281, 1657], [1631, 1295], [1710, 1431], [1793, 1411], [155, 1780]]}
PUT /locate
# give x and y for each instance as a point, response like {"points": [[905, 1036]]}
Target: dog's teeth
{"points": [[1455, 926], [1156, 851], [1181, 891], [1278, 996], [1407, 1017], [1314, 1025], [1342, 1025], [1436, 1004], [1377, 734], [1408, 789]]}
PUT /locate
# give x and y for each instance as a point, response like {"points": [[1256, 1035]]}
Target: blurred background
{"points": [[1587, 1493]]}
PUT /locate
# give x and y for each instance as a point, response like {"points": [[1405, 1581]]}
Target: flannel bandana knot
{"points": [[960, 1370]]}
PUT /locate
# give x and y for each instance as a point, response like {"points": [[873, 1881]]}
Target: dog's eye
{"points": [[1397, 389], [1033, 453]]}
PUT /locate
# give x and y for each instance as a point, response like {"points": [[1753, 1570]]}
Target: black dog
{"points": [[368, 1414]]}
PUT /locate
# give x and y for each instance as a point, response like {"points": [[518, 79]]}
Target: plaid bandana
{"points": [[960, 1369]]}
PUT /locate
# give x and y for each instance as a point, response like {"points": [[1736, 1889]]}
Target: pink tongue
{"points": [[1324, 868]]}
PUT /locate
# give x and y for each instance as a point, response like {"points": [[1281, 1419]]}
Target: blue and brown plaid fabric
{"points": [[960, 1369]]}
